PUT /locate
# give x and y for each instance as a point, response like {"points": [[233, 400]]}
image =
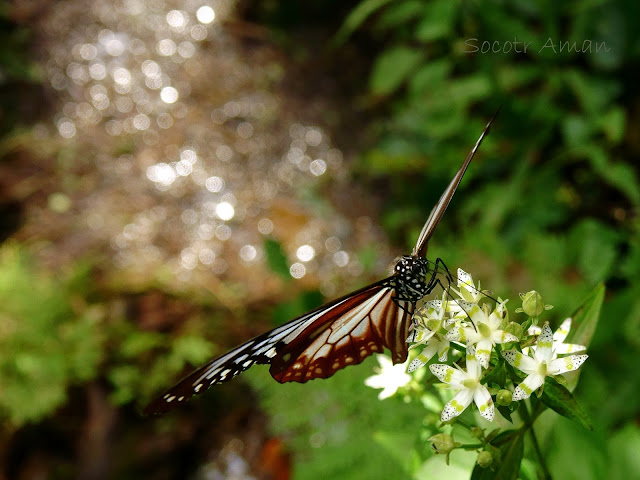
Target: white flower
{"points": [[541, 365], [468, 292], [484, 332], [390, 377], [468, 386], [559, 336], [428, 323]]}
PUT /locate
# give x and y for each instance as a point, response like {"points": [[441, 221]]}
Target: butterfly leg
{"points": [[439, 263], [435, 280], [397, 301]]}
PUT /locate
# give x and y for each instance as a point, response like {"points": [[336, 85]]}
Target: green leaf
{"points": [[497, 375], [594, 93], [511, 447], [192, 348], [511, 77], [398, 14], [392, 68], [585, 318], [505, 412], [137, 343], [619, 175], [596, 246], [560, 400], [438, 21], [469, 89], [356, 18], [613, 123], [276, 258], [430, 76], [576, 130]]}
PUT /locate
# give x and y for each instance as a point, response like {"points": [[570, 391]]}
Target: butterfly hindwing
{"points": [[363, 323]]}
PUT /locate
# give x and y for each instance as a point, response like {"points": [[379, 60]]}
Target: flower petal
{"points": [[420, 335], [457, 334], [565, 348], [520, 361], [484, 402], [443, 350], [375, 381], [464, 278], [534, 330], [483, 351], [461, 307], [384, 361], [424, 356], [474, 371], [563, 330], [494, 321], [544, 346], [390, 377], [500, 336], [566, 364], [387, 392], [456, 406], [528, 386], [448, 374]]}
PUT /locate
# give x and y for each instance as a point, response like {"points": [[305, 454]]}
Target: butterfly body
{"points": [[340, 333], [410, 278]]}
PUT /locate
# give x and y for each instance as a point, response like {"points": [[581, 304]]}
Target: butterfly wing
{"points": [[438, 211], [383, 323], [346, 334]]}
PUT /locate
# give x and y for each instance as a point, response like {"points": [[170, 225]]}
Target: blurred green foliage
{"points": [[51, 338], [48, 338]]}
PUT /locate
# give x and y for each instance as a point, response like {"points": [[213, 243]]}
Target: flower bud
{"points": [[485, 459], [477, 432], [532, 303], [504, 398], [442, 443]]}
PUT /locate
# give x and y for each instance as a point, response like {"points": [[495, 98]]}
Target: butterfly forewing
{"points": [[362, 324], [222, 369], [440, 207]]}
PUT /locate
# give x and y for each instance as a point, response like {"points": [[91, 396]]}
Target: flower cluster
{"points": [[478, 326]]}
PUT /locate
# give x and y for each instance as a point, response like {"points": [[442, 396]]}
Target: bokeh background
{"points": [[179, 176]]}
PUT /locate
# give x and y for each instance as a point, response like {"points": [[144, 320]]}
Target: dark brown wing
{"points": [[346, 334], [437, 212], [390, 331]]}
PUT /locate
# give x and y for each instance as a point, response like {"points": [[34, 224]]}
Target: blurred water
{"points": [[194, 151]]}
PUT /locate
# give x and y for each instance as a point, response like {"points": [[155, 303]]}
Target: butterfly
{"points": [[340, 333]]}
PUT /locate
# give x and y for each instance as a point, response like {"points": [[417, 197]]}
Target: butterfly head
{"points": [[411, 274]]}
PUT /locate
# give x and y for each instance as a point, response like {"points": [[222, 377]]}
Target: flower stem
{"points": [[529, 418]]}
